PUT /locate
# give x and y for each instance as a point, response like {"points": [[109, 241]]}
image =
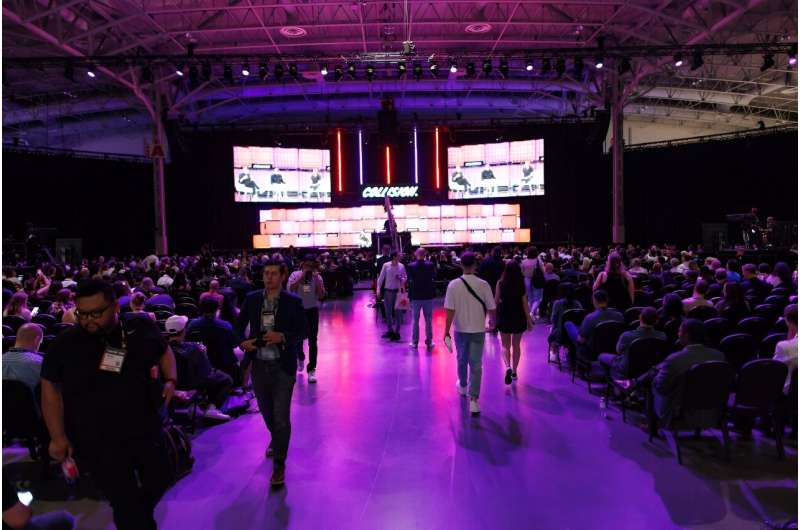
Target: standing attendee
{"points": [[391, 279], [513, 318], [533, 271], [492, 267], [308, 285], [23, 362], [421, 292], [616, 282], [468, 302], [277, 328], [786, 350], [100, 400]]}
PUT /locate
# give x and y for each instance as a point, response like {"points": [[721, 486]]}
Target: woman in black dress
{"points": [[513, 318]]}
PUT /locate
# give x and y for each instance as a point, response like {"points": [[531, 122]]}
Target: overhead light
{"points": [[678, 59], [624, 66], [769, 62], [417, 71], [278, 72], [227, 73], [598, 62], [351, 70], [529, 65], [338, 73], [245, 69], [370, 72], [470, 70], [697, 60], [401, 68], [434, 67], [793, 55], [293, 71], [561, 66], [323, 70], [453, 67], [504, 68], [179, 70], [263, 70], [546, 66], [90, 71], [487, 66]]}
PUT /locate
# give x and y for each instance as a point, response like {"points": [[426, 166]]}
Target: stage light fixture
{"points": [[598, 62], [470, 70], [263, 70], [90, 71], [561, 66], [338, 73], [504, 68], [677, 60], [401, 68], [793, 55], [453, 67], [546, 66], [351, 70], [245, 69], [293, 71], [434, 68], [179, 70], [205, 70], [227, 73], [278, 72], [529, 65], [323, 70], [769, 62], [417, 71], [370, 72], [697, 60], [577, 66], [624, 66], [487, 66], [69, 71]]}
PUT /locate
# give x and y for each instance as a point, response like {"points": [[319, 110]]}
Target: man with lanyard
{"points": [[101, 403], [277, 329], [392, 278], [467, 302], [308, 285]]}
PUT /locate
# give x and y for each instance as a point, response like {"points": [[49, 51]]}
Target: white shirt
{"points": [[470, 317], [165, 281], [528, 265], [786, 352], [394, 275]]}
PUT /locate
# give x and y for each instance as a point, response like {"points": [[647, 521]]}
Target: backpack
{"points": [[179, 451], [538, 276]]}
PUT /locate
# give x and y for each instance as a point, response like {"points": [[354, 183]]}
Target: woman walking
{"points": [[513, 318]]}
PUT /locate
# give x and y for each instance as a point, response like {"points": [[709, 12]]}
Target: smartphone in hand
{"points": [[448, 343]]}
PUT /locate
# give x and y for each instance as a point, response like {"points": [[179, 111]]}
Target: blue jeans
{"points": [[392, 315], [427, 310], [469, 349], [535, 295], [52, 521]]}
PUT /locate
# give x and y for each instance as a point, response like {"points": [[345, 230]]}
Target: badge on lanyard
{"points": [[112, 359], [307, 288], [269, 319]]}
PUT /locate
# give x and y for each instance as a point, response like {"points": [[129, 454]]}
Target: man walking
{"points": [[308, 285], [421, 292], [392, 278], [468, 301], [277, 329]]}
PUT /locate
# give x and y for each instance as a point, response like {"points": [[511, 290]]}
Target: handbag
{"points": [[402, 303]]}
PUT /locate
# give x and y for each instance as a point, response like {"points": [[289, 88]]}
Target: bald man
{"points": [[22, 362]]}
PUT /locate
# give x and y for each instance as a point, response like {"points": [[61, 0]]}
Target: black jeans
{"points": [[273, 389], [133, 475], [312, 317], [218, 385]]}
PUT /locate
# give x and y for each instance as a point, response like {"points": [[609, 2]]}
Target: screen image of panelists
{"points": [[428, 225], [276, 174], [507, 169]]}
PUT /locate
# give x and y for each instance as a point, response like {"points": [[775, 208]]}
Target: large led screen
{"points": [[276, 174], [508, 169]]}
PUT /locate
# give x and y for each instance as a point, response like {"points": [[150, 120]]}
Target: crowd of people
{"points": [[223, 325]]}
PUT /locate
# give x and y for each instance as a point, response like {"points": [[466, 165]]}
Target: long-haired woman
{"points": [[513, 318]]}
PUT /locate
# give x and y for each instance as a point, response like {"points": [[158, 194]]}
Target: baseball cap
{"points": [[175, 324]]}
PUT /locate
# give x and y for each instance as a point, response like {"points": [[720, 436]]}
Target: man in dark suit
{"points": [[750, 281], [277, 329]]}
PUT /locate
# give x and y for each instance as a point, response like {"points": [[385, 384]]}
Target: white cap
{"points": [[175, 324]]}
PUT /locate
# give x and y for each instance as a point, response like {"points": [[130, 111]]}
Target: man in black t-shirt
{"points": [[101, 401]]}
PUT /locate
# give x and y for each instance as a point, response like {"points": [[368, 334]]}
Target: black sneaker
{"points": [[514, 376], [387, 335], [396, 337], [508, 376]]}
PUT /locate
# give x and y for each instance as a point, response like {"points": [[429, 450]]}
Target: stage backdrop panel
{"points": [[277, 174]]}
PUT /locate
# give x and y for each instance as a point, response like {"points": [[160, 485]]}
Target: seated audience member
{"points": [[68, 280], [181, 285], [18, 306], [18, 516], [781, 276], [720, 279], [582, 338], [62, 304], [213, 292], [568, 272], [733, 305], [549, 274], [137, 303], [698, 298], [161, 299], [636, 267], [764, 272], [617, 365], [786, 350], [229, 310], [733, 271], [123, 293], [566, 301], [147, 287], [23, 362], [666, 379], [751, 281], [199, 372], [165, 281], [671, 309], [218, 338], [242, 285]]}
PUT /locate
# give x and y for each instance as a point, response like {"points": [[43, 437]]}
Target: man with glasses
{"points": [[101, 402]]}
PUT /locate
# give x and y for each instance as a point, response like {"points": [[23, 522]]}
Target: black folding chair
{"points": [[61, 327], [576, 317], [643, 354], [767, 348], [7, 330], [22, 420], [8, 342], [759, 390], [769, 311], [780, 326], [702, 313], [777, 300], [757, 327], [187, 310], [14, 322], [632, 314], [704, 402], [48, 321], [604, 340], [715, 330], [738, 348]]}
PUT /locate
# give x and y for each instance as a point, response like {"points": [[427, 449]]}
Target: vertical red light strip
{"points": [[436, 134], [388, 167], [339, 159]]}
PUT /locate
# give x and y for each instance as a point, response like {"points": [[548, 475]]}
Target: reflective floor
{"points": [[384, 442]]}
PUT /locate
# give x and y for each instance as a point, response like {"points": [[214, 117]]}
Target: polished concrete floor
{"points": [[384, 442]]}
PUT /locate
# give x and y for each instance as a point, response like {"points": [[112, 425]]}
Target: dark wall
{"points": [[108, 204], [671, 191]]}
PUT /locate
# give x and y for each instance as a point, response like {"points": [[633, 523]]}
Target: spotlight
{"points": [[624, 66], [546, 66], [453, 67], [146, 74], [598, 62], [293, 71], [487, 67], [793, 55], [769, 62], [227, 73], [323, 70], [417, 71], [90, 71], [245, 69], [678, 60], [370, 72], [577, 66], [263, 70], [179, 70], [338, 73], [401, 68], [470, 70], [434, 68], [278, 72], [504, 68], [69, 71], [561, 66], [205, 70], [529, 65], [351, 70], [697, 60]]}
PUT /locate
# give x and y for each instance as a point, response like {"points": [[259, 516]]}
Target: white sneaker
{"points": [[414, 345], [461, 389], [474, 409], [312, 377], [213, 414]]}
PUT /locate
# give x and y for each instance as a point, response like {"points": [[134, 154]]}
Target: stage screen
{"points": [[277, 174], [508, 169]]}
